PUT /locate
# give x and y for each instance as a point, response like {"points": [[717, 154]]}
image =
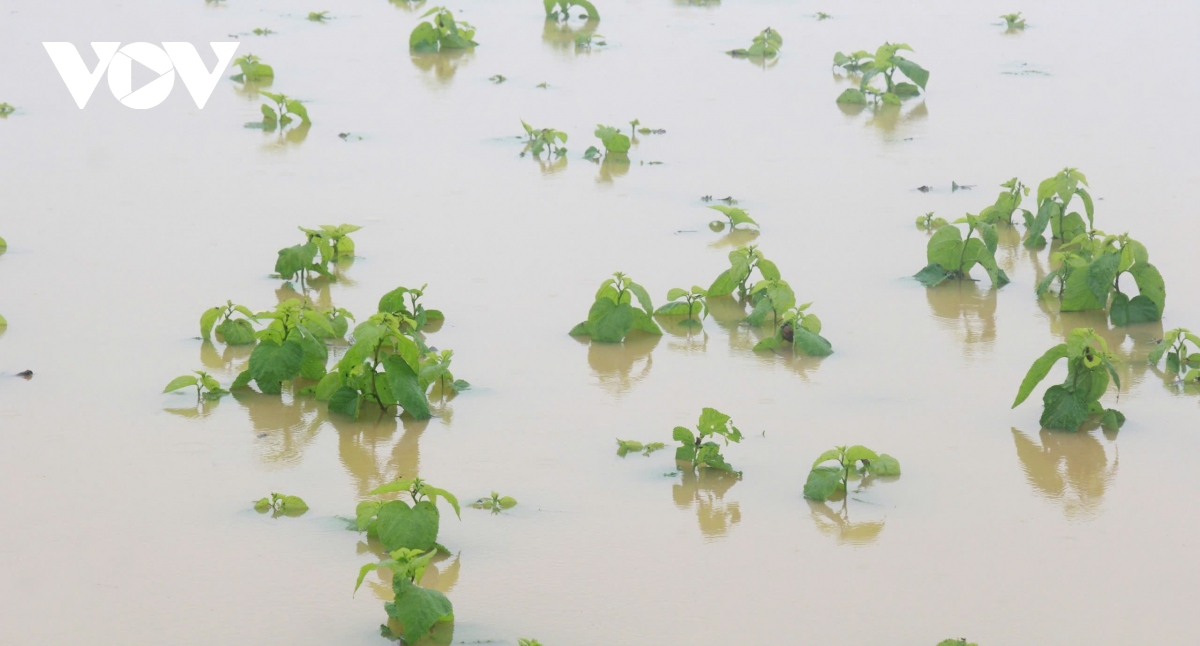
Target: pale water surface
{"points": [[127, 516]]}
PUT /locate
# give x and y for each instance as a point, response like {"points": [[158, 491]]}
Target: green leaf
{"points": [[932, 275], [822, 483], [675, 293], [236, 332], [712, 421], [1112, 419], [293, 260], [417, 609], [643, 322], [393, 302], [813, 345], [434, 493], [292, 505], [725, 283], [1150, 284], [401, 526], [681, 434], [831, 454], [913, 71], [208, 319], [345, 400], [362, 574], [1063, 409], [852, 96], [180, 382], [329, 384], [1077, 296], [679, 308], [609, 322], [403, 484], [241, 381], [1100, 275], [406, 388], [1038, 372], [642, 295], [946, 248], [273, 363], [1125, 311], [364, 513], [857, 453], [885, 465], [769, 343], [262, 505], [424, 38]]}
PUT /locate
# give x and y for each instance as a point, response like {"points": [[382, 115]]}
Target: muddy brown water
{"points": [[127, 513]]}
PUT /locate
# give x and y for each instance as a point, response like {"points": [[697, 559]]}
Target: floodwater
{"points": [[128, 515]]}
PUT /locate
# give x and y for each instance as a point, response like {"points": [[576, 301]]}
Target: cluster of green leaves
{"points": [[233, 331], [253, 69], [613, 316], [321, 247], [765, 45], [435, 371], [283, 111], [417, 609], [625, 447], [400, 525], [441, 33], [1013, 21], [930, 222], [742, 263], [292, 345], [734, 215], [207, 387], [1054, 195], [281, 505], [6, 109], [496, 503], [544, 139], [1007, 202], [801, 330], [691, 305], [700, 451], [528, 642], [1174, 346], [950, 256], [1089, 366], [561, 9], [613, 139], [394, 302], [318, 16], [849, 462], [885, 62], [383, 366], [261, 31], [1088, 273]]}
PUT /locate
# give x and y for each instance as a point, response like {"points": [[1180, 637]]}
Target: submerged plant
{"points": [[382, 367], [253, 69], [441, 33], [318, 16], [233, 331], [291, 345], [849, 462], [885, 62], [1174, 346], [613, 139], [801, 330], [765, 45], [498, 79], [549, 140], [261, 31], [417, 609], [613, 316], [692, 305], [435, 371], [951, 256], [400, 525], [625, 447], [561, 9], [742, 263], [1013, 21], [1054, 195], [284, 111], [321, 247], [700, 451], [394, 302], [1089, 278], [929, 222], [282, 505], [1089, 366], [207, 387], [1007, 202], [496, 503], [528, 642], [6, 109], [735, 216]]}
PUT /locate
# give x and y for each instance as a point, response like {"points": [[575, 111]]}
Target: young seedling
{"points": [[1089, 365], [207, 387], [544, 139], [1013, 21], [951, 256], [1054, 195], [612, 316], [801, 330], [417, 609], [1174, 346], [234, 331], [333, 242], [692, 305], [560, 10], [6, 109], [625, 447], [612, 139], [737, 217], [291, 345], [441, 33], [496, 503], [261, 31], [821, 15], [929, 222], [699, 451], [849, 462], [253, 69], [435, 371], [742, 263], [284, 111], [528, 642], [765, 45], [770, 297], [382, 367], [885, 62], [318, 16], [1006, 203], [394, 302], [498, 79], [281, 505], [1089, 278], [399, 525]]}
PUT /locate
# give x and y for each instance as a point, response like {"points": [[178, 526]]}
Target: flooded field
{"points": [[129, 513]]}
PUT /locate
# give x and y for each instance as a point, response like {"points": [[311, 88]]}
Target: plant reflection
{"points": [[620, 366], [686, 335], [561, 35], [837, 523], [706, 491], [614, 165], [967, 309], [444, 64], [1072, 469]]}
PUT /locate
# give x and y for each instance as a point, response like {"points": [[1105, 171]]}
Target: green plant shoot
{"points": [[1180, 359], [441, 33], [496, 503], [435, 371], [398, 524], [291, 345], [1013, 21], [692, 305], [799, 329], [736, 217], [1054, 195], [885, 62], [1089, 366], [284, 111], [318, 16], [233, 331], [253, 69], [951, 256], [207, 387], [613, 316], [281, 505], [417, 609], [1006, 203], [700, 451], [382, 367], [929, 222], [824, 481], [394, 302], [1089, 274], [742, 263], [765, 45], [544, 139], [613, 139]]}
